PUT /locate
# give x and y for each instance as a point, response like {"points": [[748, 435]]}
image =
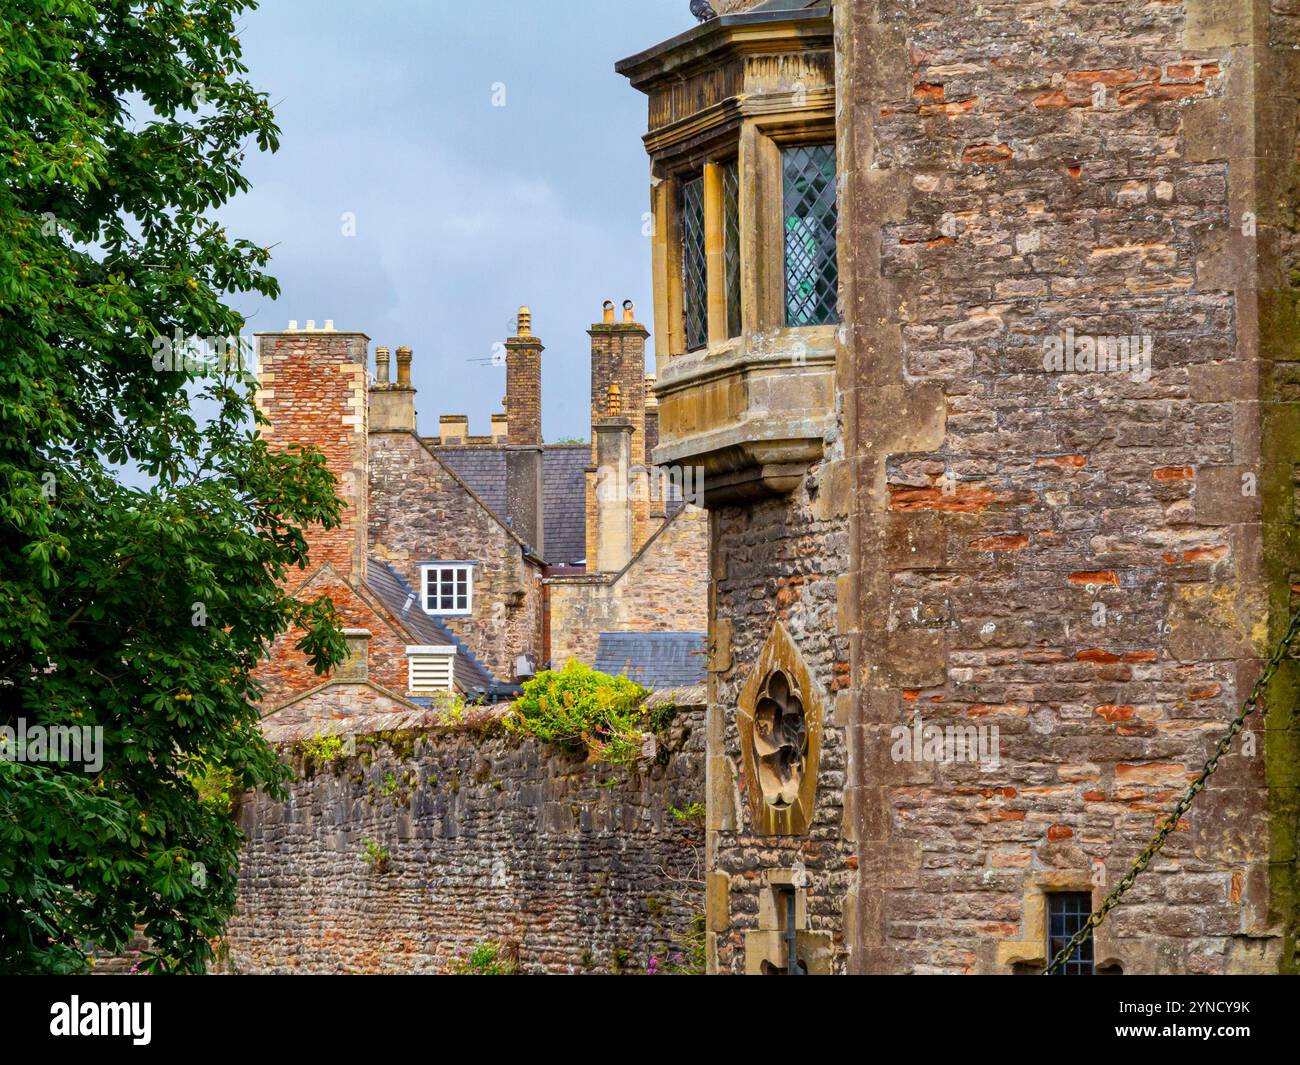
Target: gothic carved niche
{"points": [[780, 741], [779, 716]]}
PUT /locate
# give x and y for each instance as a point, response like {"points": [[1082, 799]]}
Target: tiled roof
{"points": [[398, 596], [564, 491], [483, 469], [654, 659]]}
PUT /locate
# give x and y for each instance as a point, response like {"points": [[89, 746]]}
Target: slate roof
{"points": [[654, 659], [483, 469], [564, 476], [564, 491], [387, 584]]}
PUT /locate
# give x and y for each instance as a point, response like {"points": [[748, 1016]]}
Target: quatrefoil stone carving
{"points": [[780, 740]]}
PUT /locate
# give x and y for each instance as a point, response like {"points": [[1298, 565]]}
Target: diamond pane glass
{"points": [[1067, 912], [731, 243], [811, 267], [695, 281]]}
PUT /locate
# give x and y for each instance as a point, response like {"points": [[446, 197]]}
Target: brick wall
{"points": [[489, 839], [313, 389], [664, 590], [419, 512], [285, 672]]}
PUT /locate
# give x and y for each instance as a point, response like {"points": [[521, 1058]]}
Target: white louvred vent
{"points": [[429, 669]]}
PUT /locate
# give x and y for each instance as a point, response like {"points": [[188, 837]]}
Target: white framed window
{"points": [[448, 587]]}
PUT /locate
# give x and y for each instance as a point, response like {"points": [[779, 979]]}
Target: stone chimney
{"points": [[612, 548], [392, 404], [524, 382], [312, 388], [618, 376]]}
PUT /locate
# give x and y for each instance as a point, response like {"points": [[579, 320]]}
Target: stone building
{"points": [[467, 563], [980, 324]]}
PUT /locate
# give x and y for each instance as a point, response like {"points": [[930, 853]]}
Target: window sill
{"points": [[753, 412]]}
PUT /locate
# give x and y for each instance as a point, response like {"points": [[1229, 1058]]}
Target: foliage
{"points": [[141, 610], [486, 959], [692, 812], [375, 854], [578, 706], [690, 960], [324, 752]]}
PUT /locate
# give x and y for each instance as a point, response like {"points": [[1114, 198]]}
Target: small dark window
{"points": [[695, 276], [812, 274], [1067, 912], [731, 243]]}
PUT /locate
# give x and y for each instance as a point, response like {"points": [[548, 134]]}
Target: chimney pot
{"points": [[609, 310], [293, 325], [381, 365], [311, 325], [524, 324], [404, 366], [629, 311]]}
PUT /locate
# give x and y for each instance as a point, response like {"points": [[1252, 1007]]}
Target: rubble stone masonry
{"points": [[420, 512], [665, 589], [576, 867]]}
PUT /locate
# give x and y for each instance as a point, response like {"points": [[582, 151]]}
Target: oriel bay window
{"points": [[743, 153], [791, 214]]}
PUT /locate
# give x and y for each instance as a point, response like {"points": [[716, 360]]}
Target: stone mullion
{"points": [[715, 253]]}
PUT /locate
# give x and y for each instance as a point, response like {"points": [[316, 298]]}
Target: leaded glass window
{"points": [[731, 243], [695, 279], [1067, 912], [811, 266]]}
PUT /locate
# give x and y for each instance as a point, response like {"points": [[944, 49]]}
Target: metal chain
{"points": [[1176, 814]]}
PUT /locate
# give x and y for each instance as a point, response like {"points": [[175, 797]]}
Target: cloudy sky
{"points": [[463, 210]]}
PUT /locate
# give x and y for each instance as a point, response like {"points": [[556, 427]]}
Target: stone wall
{"points": [[776, 561], [420, 512], [1094, 562], [577, 867], [665, 589]]}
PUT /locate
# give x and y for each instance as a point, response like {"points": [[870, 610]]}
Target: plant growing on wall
{"points": [[486, 959], [134, 607], [579, 707]]}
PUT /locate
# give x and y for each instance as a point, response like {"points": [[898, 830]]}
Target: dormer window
{"points": [[448, 588]]}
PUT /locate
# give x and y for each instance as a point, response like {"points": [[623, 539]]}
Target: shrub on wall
{"points": [[579, 707]]}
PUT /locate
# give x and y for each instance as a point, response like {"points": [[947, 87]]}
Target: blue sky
{"points": [[463, 210]]}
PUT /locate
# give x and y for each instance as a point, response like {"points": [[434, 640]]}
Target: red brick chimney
{"points": [[524, 383], [313, 388]]}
